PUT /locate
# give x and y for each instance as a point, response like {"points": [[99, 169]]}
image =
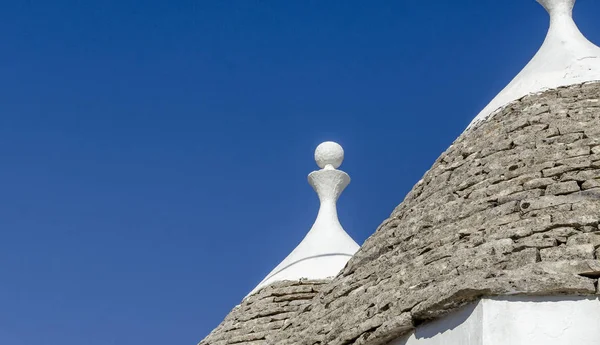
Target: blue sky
{"points": [[155, 153]]}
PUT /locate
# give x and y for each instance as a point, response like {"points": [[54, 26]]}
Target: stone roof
{"points": [[320, 256], [263, 313], [510, 208]]}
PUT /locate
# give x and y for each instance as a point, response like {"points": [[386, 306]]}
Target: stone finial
{"points": [[329, 155], [327, 247], [565, 58], [329, 182]]}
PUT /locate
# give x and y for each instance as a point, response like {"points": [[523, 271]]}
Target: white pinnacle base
{"points": [[565, 58], [327, 247]]}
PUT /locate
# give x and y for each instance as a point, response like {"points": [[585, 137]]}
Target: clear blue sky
{"points": [[154, 153]]}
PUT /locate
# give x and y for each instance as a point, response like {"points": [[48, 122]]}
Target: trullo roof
{"points": [[320, 256], [512, 207]]}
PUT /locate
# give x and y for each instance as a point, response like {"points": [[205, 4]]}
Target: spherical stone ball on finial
{"points": [[329, 155]]}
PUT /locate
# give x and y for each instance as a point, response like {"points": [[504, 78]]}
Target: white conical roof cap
{"points": [[565, 58], [327, 247]]}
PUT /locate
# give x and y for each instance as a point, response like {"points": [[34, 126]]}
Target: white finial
{"points": [[329, 155], [558, 7], [327, 247], [565, 58]]}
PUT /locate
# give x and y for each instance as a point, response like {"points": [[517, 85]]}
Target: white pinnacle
{"points": [[326, 248], [565, 58]]}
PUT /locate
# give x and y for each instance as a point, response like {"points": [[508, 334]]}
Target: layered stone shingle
{"points": [[263, 313]]}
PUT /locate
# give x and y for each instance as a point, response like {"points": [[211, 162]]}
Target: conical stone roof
{"points": [[293, 283], [512, 207]]}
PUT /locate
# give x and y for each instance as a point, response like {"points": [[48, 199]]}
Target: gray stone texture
{"points": [[264, 313], [512, 207]]}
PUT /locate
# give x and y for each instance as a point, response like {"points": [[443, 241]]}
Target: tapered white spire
{"points": [[327, 247], [565, 58]]}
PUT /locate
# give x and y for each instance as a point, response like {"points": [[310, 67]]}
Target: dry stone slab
{"points": [[585, 238], [539, 183], [590, 184], [572, 252], [562, 188]]}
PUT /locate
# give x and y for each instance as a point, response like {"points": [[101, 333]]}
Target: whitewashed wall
{"points": [[561, 320]]}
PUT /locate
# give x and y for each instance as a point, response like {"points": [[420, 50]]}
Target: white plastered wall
{"points": [[560, 320]]}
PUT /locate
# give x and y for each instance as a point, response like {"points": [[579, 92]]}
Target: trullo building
{"points": [[497, 244]]}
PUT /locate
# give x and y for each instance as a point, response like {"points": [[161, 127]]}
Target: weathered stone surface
{"points": [[585, 268], [574, 252], [505, 210], [531, 279], [263, 313], [523, 258], [538, 183], [538, 241], [562, 188], [592, 238], [589, 184]]}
